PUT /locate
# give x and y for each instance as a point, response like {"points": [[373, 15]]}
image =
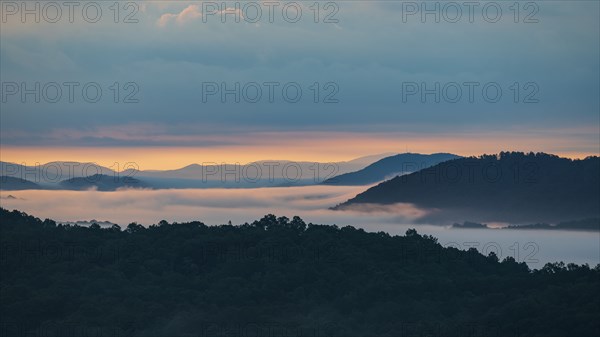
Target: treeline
{"points": [[275, 277]]}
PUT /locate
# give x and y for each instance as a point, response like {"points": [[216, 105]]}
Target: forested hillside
{"points": [[275, 277]]}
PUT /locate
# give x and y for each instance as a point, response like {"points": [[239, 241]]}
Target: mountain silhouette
{"points": [[308, 171], [507, 187], [390, 167], [263, 173]]}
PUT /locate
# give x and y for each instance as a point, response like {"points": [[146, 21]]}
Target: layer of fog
{"points": [[219, 206]]}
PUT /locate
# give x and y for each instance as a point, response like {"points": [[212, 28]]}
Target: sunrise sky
{"points": [[175, 53]]}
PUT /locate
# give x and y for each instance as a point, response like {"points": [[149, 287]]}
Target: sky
{"points": [[337, 80]]}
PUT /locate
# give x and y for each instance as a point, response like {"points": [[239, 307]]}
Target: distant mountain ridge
{"points": [[303, 170], [507, 187], [264, 173], [390, 167]]}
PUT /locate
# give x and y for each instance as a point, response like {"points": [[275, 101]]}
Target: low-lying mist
{"points": [[219, 206]]}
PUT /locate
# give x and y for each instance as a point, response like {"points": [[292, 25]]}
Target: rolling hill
{"points": [[507, 187], [17, 184]]}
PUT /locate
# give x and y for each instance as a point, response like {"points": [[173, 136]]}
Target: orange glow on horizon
{"points": [[316, 147]]}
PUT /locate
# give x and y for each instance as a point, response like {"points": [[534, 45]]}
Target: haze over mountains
{"points": [[17, 184], [511, 187], [506, 189], [265, 173], [390, 167]]}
